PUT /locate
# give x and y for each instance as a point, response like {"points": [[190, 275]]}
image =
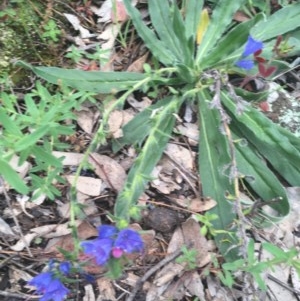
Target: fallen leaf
{"points": [[196, 205], [106, 288], [84, 33], [109, 170], [86, 119], [86, 185], [5, 229], [23, 242], [138, 65]]}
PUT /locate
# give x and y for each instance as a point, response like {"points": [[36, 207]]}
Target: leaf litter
{"points": [[174, 177]]}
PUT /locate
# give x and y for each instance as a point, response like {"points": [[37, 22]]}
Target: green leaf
{"points": [[213, 160], [274, 25], [263, 182], [186, 45], [230, 42], [192, 10], [161, 18], [30, 139], [12, 177], [140, 173], [45, 156], [9, 125], [137, 129], [268, 139], [221, 19], [94, 81], [158, 48]]}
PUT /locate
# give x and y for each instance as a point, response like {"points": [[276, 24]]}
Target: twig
{"points": [[287, 287], [20, 296], [154, 269]]}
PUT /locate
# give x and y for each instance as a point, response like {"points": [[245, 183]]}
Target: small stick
{"points": [[154, 269]]}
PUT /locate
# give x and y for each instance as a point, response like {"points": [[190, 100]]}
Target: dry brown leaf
{"points": [[70, 159], [23, 242], [180, 155], [89, 209], [106, 288], [138, 65], [87, 119], [196, 205], [188, 233], [240, 16], [137, 104], [191, 131], [86, 185], [50, 231], [109, 170], [85, 231], [117, 119]]}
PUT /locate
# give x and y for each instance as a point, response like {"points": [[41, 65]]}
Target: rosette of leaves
{"points": [[237, 143]]}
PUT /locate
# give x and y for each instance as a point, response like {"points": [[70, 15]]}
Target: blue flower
{"points": [[129, 241], [65, 267], [252, 46], [106, 231], [98, 249], [245, 64], [55, 292], [41, 282], [111, 242], [50, 287]]}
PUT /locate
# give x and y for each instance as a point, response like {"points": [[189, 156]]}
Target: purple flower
{"points": [[41, 282], [65, 267], [129, 241], [106, 231], [111, 242], [252, 46], [55, 292], [245, 64], [99, 249], [50, 287]]}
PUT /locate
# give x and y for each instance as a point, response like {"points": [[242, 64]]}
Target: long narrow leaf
{"points": [[221, 18], [230, 42], [151, 152], [162, 20], [94, 81], [268, 140], [137, 129], [274, 25], [264, 183], [159, 49], [193, 10], [213, 159]]}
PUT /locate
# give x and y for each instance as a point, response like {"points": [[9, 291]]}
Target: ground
{"points": [[89, 37]]}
